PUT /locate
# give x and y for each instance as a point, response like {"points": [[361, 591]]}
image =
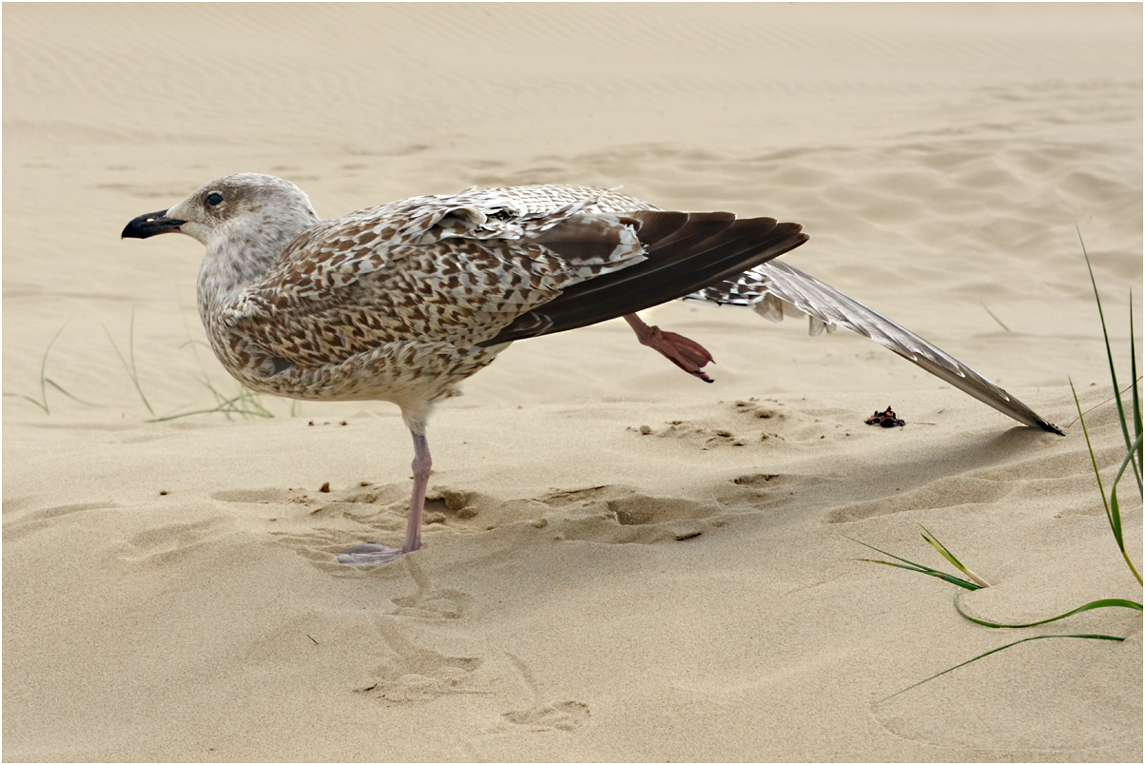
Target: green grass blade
{"points": [[29, 398], [933, 542], [928, 571], [44, 367], [912, 566], [46, 381], [240, 404], [206, 382], [1089, 446], [1112, 508], [130, 367], [1103, 402], [884, 552], [995, 318], [1109, 354], [169, 417], [996, 650], [226, 407], [56, 385], [254, 403], [1104, 603], [1138, 467], [1115, 522], [134, 371]]}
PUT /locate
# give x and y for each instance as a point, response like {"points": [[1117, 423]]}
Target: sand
{"points": [[627, 564]]}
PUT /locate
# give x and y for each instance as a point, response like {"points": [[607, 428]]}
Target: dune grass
{"points": [[47, 382], [132, 372], [996, 650], [995, 318], [1132, 445], [1131, 428], [971, 582], [244, 403]]}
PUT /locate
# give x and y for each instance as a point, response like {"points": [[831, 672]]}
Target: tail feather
{"points": [[760, 286]]}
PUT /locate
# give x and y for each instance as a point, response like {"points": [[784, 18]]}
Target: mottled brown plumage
{"points": [[402, 302]]}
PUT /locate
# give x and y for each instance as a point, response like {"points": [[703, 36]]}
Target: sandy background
{"points": [[939, 156]]}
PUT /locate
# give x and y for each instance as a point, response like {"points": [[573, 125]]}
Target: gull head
{"points": [[240, 206]]}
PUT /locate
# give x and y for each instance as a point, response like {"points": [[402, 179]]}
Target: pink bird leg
{"points": [[684, 353], [371, 552]]}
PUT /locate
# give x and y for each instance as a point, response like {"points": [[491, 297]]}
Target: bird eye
{"points": [[214, 198]]}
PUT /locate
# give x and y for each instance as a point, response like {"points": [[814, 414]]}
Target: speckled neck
{"points": [[247, 253]]}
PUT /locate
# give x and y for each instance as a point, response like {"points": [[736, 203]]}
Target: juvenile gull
{"points": [[402, 302]]}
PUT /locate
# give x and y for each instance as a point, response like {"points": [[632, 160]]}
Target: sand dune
{"points": [[624, 564]]}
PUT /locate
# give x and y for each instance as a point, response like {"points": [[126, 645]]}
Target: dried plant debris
{"points": [[886, 419]]}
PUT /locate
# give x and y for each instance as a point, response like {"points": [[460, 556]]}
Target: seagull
{"points": [[404, 301]]}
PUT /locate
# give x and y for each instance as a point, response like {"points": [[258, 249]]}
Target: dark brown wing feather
{"points": [[685, 252]]}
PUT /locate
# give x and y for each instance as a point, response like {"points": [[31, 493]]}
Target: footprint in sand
{"points": [[322, 522], [429, 602], [171, 540], [620, 515], [415, 673], [331, 519], [418, 674], [545, 715]]}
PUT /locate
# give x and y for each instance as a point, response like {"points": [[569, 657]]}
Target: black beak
{"points": [[150, 225]]}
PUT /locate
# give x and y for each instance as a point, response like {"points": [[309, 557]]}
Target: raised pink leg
{"points": [[371, 552], [684, 353]]}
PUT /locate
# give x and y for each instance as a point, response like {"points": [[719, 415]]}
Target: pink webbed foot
{"points": [[369, 553], [685, 353]]}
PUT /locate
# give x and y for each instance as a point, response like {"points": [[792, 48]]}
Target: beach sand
{"points": [[643, 567]]}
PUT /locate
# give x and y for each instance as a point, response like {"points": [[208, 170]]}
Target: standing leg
{"points": [[684, 353], [371, 552], [422, 462]]}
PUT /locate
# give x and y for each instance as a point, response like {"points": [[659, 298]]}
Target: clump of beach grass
{"points": [[1129, 415], [47, 382], [243, 402], [971, 581]]}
